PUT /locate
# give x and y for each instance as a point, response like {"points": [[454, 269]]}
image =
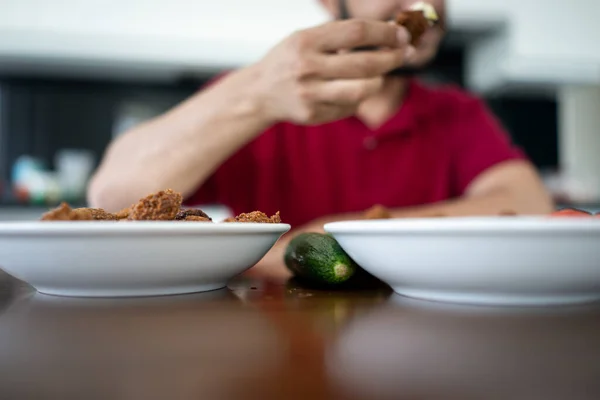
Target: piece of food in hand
{"points": [[192, 214], [377, 212], [417, 20], [161, 206], [256, 216], [570, 212], [64, 212], [319, 258]]}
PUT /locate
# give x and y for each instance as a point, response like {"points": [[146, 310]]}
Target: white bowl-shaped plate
{"points": [[489, 260], [114, 259]]}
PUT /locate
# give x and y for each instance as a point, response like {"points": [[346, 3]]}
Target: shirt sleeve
{"points": [[479, 142]]}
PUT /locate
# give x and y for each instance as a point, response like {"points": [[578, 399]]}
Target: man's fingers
{"points": [[355, 33], [360, 64], [332, 112], [349, 91], [334, 99]]}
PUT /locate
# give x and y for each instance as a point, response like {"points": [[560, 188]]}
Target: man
{"points": [[322, 132]]}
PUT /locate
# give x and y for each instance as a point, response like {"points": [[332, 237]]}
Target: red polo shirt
{"points": [[429, 151]]}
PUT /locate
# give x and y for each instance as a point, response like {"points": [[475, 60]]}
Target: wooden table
{"points": [[264, 339]]}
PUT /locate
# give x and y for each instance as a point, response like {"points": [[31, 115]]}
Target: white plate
{"points": [[100, 259], [489, 260]]}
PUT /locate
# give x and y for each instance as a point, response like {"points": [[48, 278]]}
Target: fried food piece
{"points": [[415, 23], [192, 214], [65, 213], [254, 216], [421, 17], [437, 216], [99, 214], [571, 212], [123, 214], [377, 212], [380, 212], [276, 219], [60, 213], [195, 218], [257, 217], [161, 206]]}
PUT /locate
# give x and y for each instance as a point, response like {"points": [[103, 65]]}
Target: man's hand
{"points": [[312, 76]]}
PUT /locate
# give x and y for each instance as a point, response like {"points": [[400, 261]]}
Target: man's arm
{"points": [[511, 186], [182, 147], [305, 80]]}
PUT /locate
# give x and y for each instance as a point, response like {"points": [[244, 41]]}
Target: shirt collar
{"points": [[415, 107]]}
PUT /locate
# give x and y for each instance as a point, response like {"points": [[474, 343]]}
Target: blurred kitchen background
{"points": [[76, 73]]}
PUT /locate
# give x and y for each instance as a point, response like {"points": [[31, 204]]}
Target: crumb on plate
{"points": [[257, 217]]}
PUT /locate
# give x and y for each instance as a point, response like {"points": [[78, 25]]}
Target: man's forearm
{"points": [[512, 187], [488, 204], [494, 203], [509, 187], [183, 147]]}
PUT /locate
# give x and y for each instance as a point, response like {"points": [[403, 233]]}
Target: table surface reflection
{"points": [[267, 339]]}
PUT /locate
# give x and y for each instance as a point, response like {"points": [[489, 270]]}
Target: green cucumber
{"points": [[319, 258]]}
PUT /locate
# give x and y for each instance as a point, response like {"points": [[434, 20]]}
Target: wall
{"points": [[580, 140], [154, 36], [536, 42], [540, 44]]}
